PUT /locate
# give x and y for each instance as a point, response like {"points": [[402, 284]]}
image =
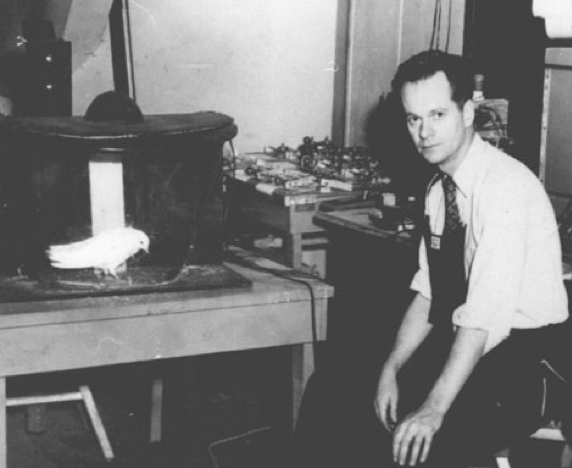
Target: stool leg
{"points": [[3, 421], [501, 459], [97, 423], [566, 458]]}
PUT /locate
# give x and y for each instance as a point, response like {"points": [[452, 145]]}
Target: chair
{"points": [[549, 432], [83, 394], [553, 429]]}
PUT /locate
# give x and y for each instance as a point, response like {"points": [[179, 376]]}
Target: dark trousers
{"points": [[500, 403]]}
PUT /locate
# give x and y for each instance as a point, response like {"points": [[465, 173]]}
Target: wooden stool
{"points": [[549, 432], [84, 394]]}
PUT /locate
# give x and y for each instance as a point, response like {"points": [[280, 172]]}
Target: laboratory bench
{"points": [[279, 308]]}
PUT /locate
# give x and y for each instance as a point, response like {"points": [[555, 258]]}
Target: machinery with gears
{"points": [[321, 162]]}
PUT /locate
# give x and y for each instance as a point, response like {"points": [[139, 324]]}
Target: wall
{"points": [[555, 162], [267, 63], [508, 44], [271, 64], [87, 29], [13, 12], [382, 34], [12, 49]]}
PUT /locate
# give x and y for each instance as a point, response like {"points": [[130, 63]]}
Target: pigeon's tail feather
{"points": [[64, 259], [106, 251], [73, 247]]}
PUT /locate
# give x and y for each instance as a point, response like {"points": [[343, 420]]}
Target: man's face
{"points": [[441, 131]]}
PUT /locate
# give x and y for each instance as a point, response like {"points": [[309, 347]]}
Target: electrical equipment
{"points": [[313, 164], [46, 85]]}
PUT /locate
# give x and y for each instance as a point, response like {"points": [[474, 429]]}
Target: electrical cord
{"points": [[227, 190], [288, 274], [436, 26], [449, 26], [436, 32], [296, 276], [494, 118], [247, 260], [216, 443], [130, 47]]}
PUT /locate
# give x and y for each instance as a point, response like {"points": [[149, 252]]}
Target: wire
{"points": [[286, 274], [130, 48], [227, 188], [436, 33], [543, 405], [294, 276], [449, 26], [436, 22], [553, 371], [231, 439], [494, 117]]}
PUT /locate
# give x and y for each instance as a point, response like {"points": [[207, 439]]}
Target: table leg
{"points": [[156, 409], [302, 369], [3, 424], [294, 250]]}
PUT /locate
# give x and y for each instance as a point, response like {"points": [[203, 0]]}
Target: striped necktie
{"points": [[452, 218]]}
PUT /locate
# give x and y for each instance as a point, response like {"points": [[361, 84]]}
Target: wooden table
{"points": [[292, 221], [80, 333], [357, 221]]}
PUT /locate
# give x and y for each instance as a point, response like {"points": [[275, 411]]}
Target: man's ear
{"points": [[469, 113]]}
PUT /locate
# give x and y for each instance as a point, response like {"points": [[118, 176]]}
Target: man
{"points": [[463, 378]]}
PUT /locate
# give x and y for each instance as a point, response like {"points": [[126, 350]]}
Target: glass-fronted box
{"points": [[112, 203]]}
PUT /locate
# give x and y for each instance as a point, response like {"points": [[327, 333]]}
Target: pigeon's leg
{"points": [[111, 272], [101, 273], [120, 269]]}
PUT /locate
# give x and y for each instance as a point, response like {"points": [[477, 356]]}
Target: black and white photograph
{"points": [[285, 233]]}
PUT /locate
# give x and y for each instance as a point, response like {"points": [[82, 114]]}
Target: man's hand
{"points": [[413, 330], [414, 436], [387, 398]]}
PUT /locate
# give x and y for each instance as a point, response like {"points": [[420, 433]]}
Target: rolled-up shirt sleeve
{"points": [[512, 246], [496, 271]]}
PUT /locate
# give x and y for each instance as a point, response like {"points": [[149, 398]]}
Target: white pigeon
{"points": [[106, 251]]}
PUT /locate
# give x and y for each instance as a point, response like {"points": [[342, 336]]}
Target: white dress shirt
{"points": [[513, 258]]}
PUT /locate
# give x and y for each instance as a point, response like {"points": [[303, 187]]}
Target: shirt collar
{"points": [[464, 176]]}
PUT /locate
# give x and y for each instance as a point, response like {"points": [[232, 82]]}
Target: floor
{"points": [[221, 411]]}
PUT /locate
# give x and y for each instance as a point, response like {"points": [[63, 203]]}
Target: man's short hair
{"points": [[458, 70]]}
